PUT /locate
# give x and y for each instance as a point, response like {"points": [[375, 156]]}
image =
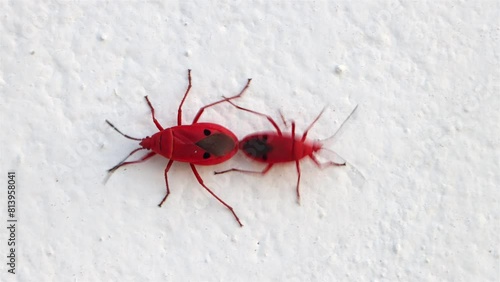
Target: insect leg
{"points": [[202, 109], [166, 181], [179, 111], [297, 164], [323, 165], [158, 125], [298, 180], [266, 169], [311, 125], [198, 177], [270, 119], [122, 163], [283, 118], [341, 125]]}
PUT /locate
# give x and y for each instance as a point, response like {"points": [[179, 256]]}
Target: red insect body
{"points": [[275, 147], [199, 143], [196, 144]]}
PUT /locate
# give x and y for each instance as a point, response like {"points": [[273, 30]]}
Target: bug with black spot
{"points": [[199, 143], [273, 147]]}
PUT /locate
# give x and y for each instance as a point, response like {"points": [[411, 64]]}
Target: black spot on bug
{"points": [[206, 155], [206, 132], [256, 147], [217, 144]]}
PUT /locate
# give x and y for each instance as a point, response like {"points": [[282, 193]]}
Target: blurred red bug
{"points": [[276, 147]]}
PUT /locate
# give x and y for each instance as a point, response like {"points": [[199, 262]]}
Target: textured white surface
{"points": [[426, 137]]}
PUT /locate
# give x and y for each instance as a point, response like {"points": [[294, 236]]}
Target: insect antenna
{"points": [[122, 162], [354, 174], [124, 135], [329, 150], [343, 123], [332, 155], [111, 170]]}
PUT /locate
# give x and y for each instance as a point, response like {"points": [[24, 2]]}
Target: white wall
{"points": [[425, 137]]}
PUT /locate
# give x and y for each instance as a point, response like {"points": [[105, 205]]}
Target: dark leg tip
{"points": [[163, 201]]}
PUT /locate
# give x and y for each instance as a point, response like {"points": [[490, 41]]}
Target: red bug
{"points": [[276, 147], [197, 144]]}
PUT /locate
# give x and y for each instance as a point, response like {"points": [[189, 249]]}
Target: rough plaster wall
{"points": [[425, 137]]}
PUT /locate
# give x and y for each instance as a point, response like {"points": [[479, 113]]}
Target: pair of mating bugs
{"points": [[203, 143]]}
